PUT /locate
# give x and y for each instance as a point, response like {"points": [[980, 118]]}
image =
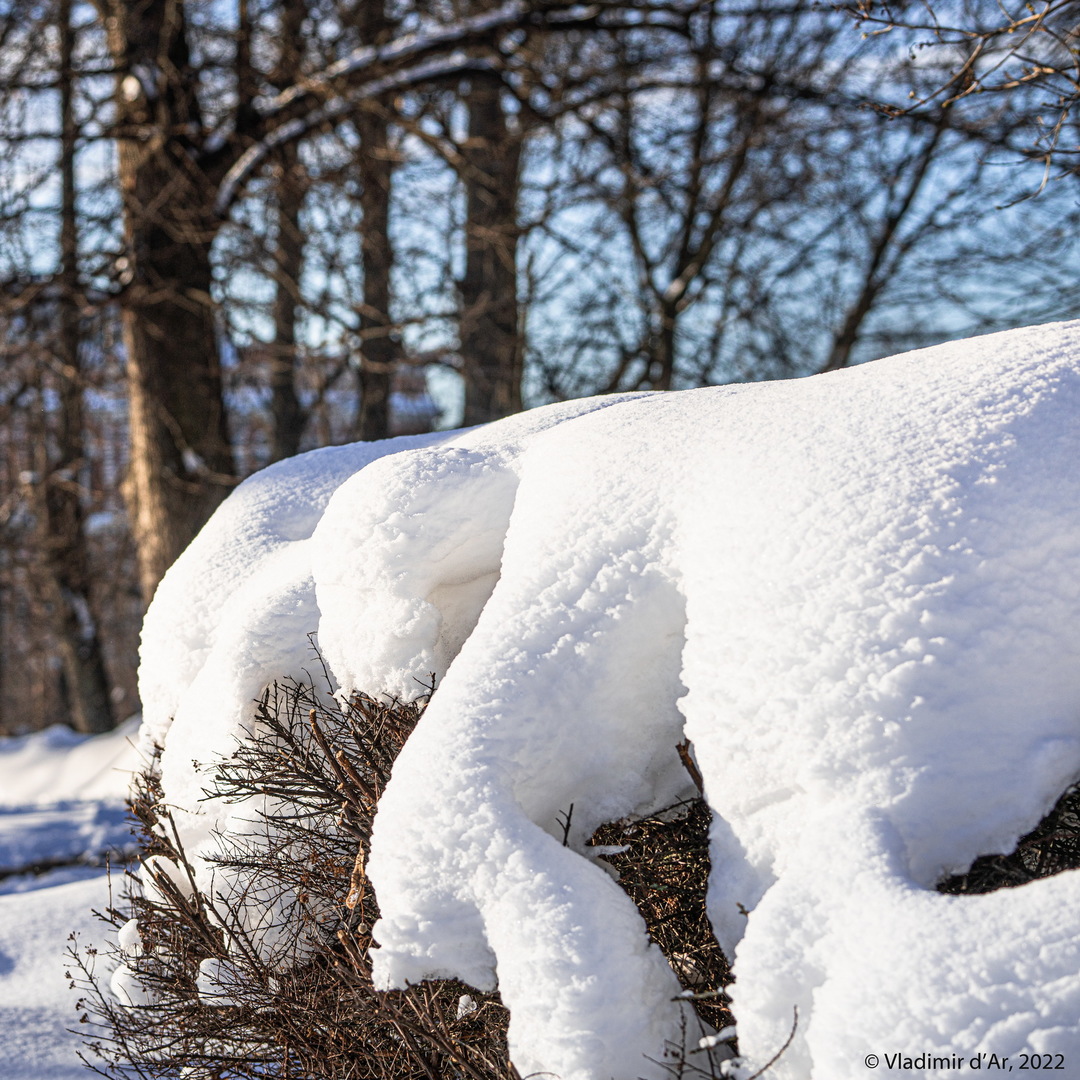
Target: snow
{"points": [[37, 768], [858, 595], [38, 911], [129, 939], [62, 796], [36, 1006]]}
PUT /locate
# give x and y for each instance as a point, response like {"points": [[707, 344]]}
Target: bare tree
{"points": [[724, 209], [1011, 69], [181, 170], [64, 540]]}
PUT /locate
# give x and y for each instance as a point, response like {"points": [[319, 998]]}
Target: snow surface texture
{"points": [[39, 911], [857, 594], [38, 827]]}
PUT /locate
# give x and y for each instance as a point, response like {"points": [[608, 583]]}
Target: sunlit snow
{"points": [[858, 595]]}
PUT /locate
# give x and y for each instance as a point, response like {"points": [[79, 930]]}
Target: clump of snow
{"points": [[216, 981], [159, 876], [128, 989], [857, 594], [129, 939]]}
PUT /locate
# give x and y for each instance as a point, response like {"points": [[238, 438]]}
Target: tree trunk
{"points": [[64, 549], [181, 463], [662, 362], [379, 351], [286, 412], [490, 335]]}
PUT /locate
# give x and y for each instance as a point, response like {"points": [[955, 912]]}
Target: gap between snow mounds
{"points": [[409, 549]]}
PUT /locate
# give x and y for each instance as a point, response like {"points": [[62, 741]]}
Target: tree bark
{"points": [[181, 462], [64, 549], [287, 415], [491, 347], [379, 351], [286, 412]]}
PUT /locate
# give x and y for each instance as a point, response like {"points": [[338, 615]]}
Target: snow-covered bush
{"points": [[201, 991], [857, 595]]}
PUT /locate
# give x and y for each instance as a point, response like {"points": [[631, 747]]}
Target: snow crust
{"points": [[857, 594]]}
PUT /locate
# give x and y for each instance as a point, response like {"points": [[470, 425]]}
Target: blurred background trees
{"points": [[232, 231]]}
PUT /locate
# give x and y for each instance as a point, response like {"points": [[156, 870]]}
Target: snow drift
{"points": [[857, 594]]}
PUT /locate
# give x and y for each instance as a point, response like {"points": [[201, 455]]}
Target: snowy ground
{"points": [[61, 801]]}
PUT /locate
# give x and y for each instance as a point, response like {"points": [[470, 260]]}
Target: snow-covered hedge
{"points": [[858, 595]]}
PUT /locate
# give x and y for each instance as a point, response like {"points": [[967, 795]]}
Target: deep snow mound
{"points": [[857, 594]]}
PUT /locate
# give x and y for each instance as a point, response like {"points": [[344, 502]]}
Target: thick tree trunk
{"points": [[180, 460], [490, 334], [64, 549], [181, 463]]}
